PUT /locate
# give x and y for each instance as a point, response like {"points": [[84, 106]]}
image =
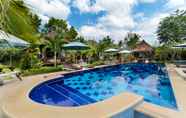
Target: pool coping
{"points": [[162, 112], [19, 105], [136, 101]]}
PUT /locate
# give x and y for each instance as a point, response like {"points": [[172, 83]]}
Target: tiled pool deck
{"points": [[16, 104]]}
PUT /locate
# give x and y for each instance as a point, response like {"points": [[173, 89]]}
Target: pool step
{"points": [[72, 94], [80, 94]]}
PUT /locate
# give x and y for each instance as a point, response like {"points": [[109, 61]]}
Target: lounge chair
{"points": [[11, 74]]}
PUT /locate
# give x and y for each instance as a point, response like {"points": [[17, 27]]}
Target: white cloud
{"points": [[93, 32], [118, 13], [44, 18], [51, 8], [86, 6], [175, 4], [148, 27], [117, 21]]}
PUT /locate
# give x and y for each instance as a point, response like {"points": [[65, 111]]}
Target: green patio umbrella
{"points": [[77, 46]]}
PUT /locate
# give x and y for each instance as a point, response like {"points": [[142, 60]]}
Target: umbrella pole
{"points": [[10, 60], [75, 58]]}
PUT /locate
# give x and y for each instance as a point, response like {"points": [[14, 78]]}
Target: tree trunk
{"points": [[55, 56]]}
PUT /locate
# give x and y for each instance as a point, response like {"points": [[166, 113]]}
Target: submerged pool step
{"points": [[59, 98], [80, 94], [75, 96]]}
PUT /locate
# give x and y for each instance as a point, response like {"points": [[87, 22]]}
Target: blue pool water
{"points": [[90, 86]]}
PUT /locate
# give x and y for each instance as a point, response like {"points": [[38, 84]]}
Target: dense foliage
{"points": [[56, 33], [172, 29], [131, 39], [42, 70], [17, 19]]}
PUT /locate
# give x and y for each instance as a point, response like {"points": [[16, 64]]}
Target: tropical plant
{"points": [[131, 39], [4, 6], [92, 53], [80, 39], [10, 56], [54, 32], [172, 29], [71, 34], [30, 58], [105, 43]]}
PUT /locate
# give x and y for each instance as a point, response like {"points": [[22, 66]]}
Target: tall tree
{"points": [[54, 32], [172, 28], [80, 39], [71, 34], [36, 21], [93, 52], [131, 39], [120, 43], [105, 43]]}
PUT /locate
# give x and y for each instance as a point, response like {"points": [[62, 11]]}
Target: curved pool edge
{"points": [[10, 107], [19, 105]]}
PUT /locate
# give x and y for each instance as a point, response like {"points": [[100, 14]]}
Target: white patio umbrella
{"points": [[111, 50], [125, 52], [7, 41], [180, 46]]}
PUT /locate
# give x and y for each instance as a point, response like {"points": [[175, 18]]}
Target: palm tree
{"points": [[54, 43]]}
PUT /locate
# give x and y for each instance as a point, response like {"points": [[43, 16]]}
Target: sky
{"points": [[95, 19]]}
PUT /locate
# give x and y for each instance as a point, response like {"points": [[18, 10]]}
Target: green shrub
{"points": [[1, 67], [42, 70], [15, 54], [25, 62], [4, 68], [29, 61], [96, 63]]}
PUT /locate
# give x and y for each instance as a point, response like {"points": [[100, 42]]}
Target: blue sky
{"points": [[95, 19]]}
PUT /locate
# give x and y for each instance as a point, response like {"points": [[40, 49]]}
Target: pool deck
{"points": [[19, 105], [16, 104]]}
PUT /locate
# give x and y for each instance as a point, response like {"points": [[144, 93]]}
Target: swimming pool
{"points": [[90, 86]]}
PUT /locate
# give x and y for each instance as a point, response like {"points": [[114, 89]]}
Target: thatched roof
{"points": [[143, 46]]}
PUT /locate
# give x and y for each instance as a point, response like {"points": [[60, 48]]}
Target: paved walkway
{"points": [[12, 85], [6, 89]]}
